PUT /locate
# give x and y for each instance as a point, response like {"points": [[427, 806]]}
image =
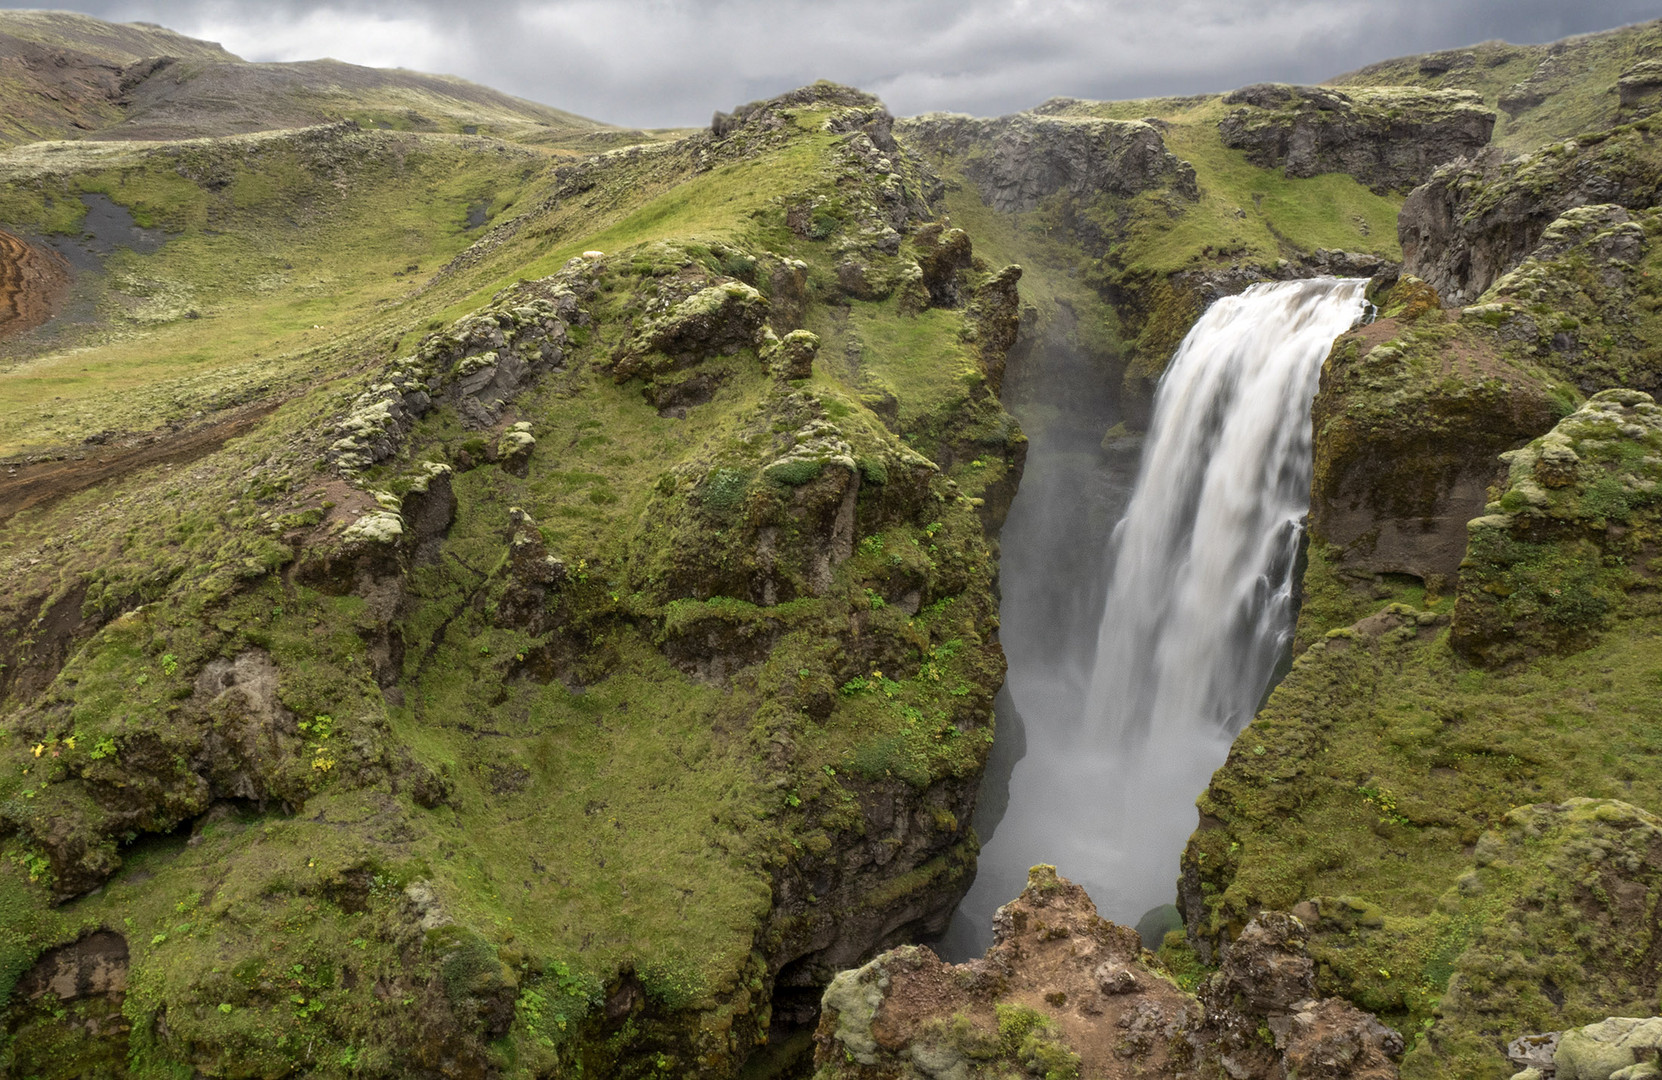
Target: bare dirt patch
{"points": [[34, 483]]}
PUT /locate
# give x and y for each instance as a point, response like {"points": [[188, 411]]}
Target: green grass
{"points": [[1247, 213], [1394, 755], [273, 288], [607, 812], [648, 198]]}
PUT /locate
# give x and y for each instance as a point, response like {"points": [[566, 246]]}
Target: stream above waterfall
{"points": [[1138, 650]]}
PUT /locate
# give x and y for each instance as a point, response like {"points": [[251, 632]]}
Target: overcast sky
{"points": [[652, 63]]}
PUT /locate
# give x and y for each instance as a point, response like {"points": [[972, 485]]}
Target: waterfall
{"points": [[1201, 594], [1199, 609], [1200, 599]]}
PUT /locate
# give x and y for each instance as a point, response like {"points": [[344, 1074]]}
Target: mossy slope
{"points": [[1544, 92], [1431, 699], [533, 703]]}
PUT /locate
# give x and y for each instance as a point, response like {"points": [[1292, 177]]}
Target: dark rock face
{"points": [[1019, 160], [69, 1005], [1580, 304], [1388, 138], [1475, 220]]}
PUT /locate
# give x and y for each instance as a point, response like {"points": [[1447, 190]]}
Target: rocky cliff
{"points": [[1390, 138]]}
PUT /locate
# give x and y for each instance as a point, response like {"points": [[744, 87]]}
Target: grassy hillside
{"points": [[1245, 214], [114, 43], [248, 277]]}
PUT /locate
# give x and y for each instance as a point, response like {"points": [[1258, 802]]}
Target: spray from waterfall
{"points": [[1199, 608]]}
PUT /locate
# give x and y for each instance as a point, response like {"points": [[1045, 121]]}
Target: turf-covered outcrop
{"points": [[1555, 934], [1569, 543], [1411, 416], [1390, 138]]}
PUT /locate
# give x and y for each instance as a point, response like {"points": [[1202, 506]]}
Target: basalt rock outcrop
{"points": [[1389, 138], [1412, 413]]}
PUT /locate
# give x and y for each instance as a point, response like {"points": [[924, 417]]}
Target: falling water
{"points": [[1199, 608]]}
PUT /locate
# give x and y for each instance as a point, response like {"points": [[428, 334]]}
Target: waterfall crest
{"points": [[1121, 739]]}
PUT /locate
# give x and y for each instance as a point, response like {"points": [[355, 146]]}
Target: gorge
{"points": [[565, 631]]}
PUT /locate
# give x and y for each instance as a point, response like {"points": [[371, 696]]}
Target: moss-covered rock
{"points": [[1411, 416], [1553, 933], [1569, 543], [1585, 300], [1475, 220]]}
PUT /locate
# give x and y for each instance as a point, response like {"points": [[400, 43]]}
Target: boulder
{"points": [[1610, 1047]]}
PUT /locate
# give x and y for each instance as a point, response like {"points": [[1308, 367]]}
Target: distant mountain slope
{"points": [[64, 75], [1544, 92], [117, 43]]}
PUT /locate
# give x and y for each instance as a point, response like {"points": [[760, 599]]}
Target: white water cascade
{"points": [[1199, 608]]}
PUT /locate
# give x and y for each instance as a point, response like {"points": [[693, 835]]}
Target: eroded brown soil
{"points": [[33, 284]]}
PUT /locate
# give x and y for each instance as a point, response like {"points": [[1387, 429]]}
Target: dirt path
{"points": [[35, 483], [33, 283]]}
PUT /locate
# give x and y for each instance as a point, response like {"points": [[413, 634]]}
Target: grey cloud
{"points": [[671, 62]]}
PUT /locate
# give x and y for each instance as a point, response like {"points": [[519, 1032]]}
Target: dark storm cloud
{"points": [[670, 62]]}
